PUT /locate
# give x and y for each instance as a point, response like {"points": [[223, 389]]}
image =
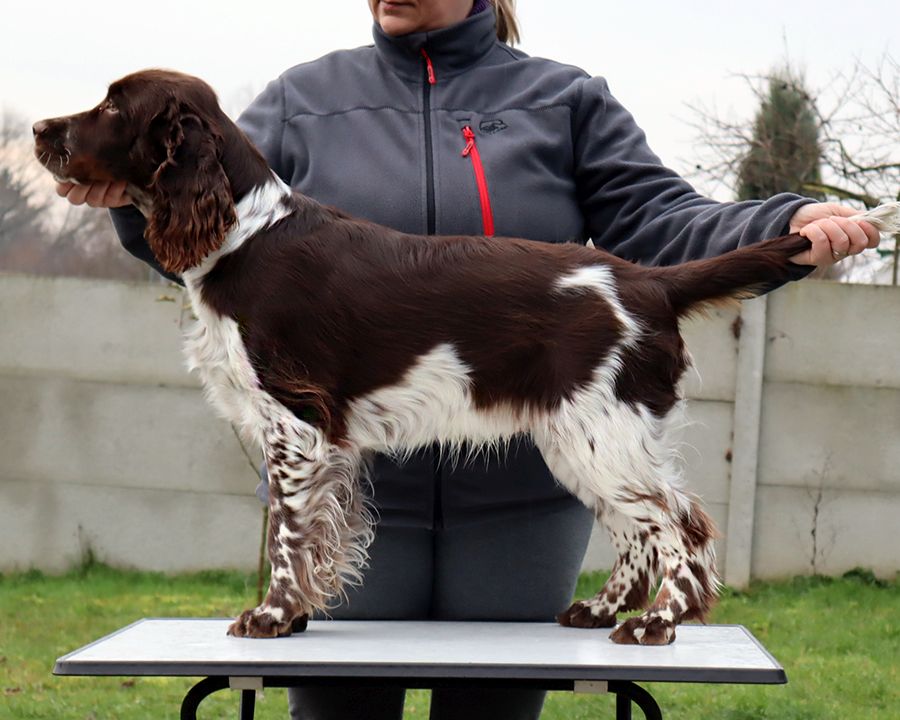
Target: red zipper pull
{"points": [[469, 135], [429, 67]]}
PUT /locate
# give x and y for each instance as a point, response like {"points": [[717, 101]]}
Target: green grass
{"points": [[838, 640]]}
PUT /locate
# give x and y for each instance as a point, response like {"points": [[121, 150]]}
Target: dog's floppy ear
{"points": [[193, 208]]}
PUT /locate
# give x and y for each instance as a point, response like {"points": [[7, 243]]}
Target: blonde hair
{"points": [[507, 25]]}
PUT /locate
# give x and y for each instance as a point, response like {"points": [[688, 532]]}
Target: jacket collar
{"points": [[451, 49]]}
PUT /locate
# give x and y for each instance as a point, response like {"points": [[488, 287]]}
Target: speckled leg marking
{"points": [[318, 530], [689, 582], [628, 586], [616, 459]]}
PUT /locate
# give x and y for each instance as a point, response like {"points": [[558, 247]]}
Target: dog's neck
{"points": [[260, 197], [244, 166], [259, 208]]}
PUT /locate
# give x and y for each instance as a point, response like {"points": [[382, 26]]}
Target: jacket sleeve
{"points": [[639, 209], [262, 121]]}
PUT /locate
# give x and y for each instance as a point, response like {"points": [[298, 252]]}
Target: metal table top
{"points": [[422, 650]]}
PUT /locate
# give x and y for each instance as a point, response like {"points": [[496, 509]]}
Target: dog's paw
{"points": [[586, 615], [267, 622], [646, 629]]}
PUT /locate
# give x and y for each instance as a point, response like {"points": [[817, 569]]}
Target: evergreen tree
{"points": [[784, 153]]}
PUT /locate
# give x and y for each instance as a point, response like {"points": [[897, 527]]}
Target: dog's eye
{"points": [[109, 106]]}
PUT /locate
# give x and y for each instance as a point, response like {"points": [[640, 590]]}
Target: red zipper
{"points": [[471, 150]]}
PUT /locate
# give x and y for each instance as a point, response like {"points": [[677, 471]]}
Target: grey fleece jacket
{"points": [[378, 131]]}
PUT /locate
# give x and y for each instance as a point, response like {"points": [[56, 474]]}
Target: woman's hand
{"points": [[833, 236], [99, 195]]}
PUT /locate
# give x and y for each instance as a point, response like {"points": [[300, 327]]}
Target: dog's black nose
{"points": [[40, 127]]}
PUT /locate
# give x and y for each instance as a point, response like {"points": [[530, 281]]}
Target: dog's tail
{"points": [[738, 274], [752, 270]]}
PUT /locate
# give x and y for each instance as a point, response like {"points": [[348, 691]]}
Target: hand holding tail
{"points": [[838, 231]]}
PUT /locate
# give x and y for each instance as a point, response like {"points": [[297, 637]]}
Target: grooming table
{"points": [[424, 655]]}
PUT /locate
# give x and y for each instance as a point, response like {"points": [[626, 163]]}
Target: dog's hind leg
{"points": [[629, 584], [689, 583], [318, 531], [613, 456]]}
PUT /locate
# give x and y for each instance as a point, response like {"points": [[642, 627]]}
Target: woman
{"points": [[442, 128]]}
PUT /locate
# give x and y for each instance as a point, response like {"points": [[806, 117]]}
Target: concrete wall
{"points": [[107, 445]]}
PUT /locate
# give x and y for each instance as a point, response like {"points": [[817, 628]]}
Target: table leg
{"points": [[207, 687], [199, 693], [248, 704], [627, 693], [623, 707]]}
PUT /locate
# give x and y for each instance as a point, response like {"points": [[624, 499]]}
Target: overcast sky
{"points": [[57, 57]]}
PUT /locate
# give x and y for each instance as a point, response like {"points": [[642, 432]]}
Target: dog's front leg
{"points": [[318, 531]]}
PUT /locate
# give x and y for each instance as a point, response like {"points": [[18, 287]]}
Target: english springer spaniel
{"points": [[323, 337]]}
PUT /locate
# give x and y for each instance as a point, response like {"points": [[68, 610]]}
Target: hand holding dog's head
{"points": [[161, 132]]}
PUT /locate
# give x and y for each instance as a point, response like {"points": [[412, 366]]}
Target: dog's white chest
{"points": [[214, 346], [215, 349]]}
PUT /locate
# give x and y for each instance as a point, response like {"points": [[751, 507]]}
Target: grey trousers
{"points": [[519, 565]]}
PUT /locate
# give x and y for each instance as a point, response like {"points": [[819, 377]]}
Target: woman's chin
{"points": [[396, 26]]}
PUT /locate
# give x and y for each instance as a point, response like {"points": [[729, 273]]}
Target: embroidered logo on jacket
{"points": [[494, 125]]}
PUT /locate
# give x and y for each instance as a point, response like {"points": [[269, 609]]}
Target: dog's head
{"points": [[162, 133]]}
